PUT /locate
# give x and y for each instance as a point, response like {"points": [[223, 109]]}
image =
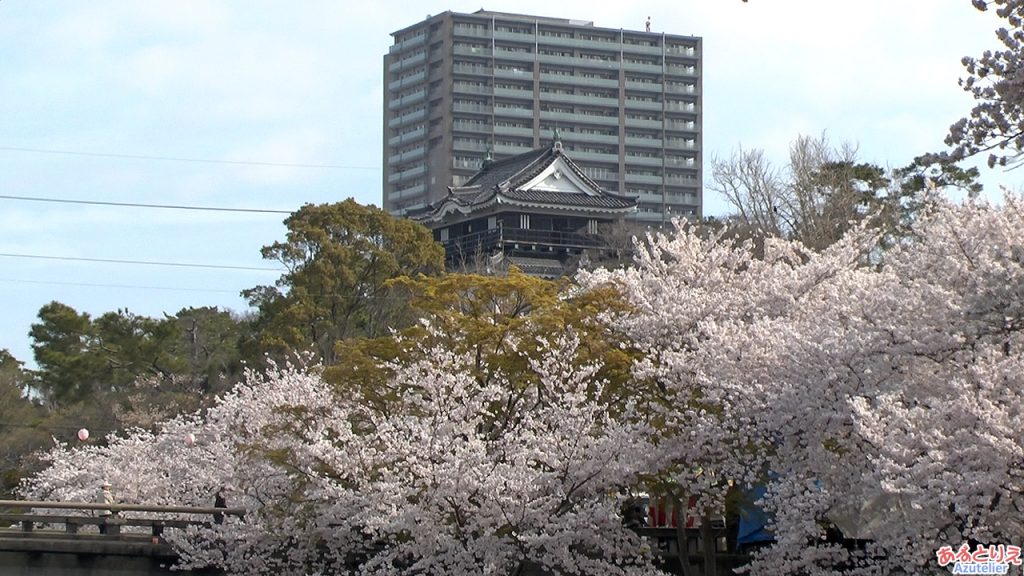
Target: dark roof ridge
{"points": [[521, 156]]}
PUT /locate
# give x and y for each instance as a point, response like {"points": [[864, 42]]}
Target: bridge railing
{"points": [[109, 524]]}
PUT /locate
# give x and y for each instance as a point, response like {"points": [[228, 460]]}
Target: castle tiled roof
{"points": [[503, 181]]}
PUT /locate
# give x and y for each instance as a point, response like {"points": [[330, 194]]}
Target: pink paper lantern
{"points": [[190, 439], [83, 434]]}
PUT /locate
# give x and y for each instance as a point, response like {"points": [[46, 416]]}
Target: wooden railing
{"points": [[88, 514], [487, 240]]}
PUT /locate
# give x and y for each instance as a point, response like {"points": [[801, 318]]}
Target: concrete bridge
{"points": [[73, 539]]}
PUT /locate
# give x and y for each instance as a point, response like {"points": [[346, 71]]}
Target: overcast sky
{"points": [[300, 83]]}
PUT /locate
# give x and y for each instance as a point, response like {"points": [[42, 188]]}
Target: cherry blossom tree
{"points": [[882, 400], [996, 80], [455, 476], [877, 395]]}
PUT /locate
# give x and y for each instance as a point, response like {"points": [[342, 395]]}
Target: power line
{"points": [[142, 262], [137, 205], [177, 159], [96, 432], [129, 286]]}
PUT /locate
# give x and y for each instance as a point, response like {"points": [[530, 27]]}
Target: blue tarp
{"points": [[753, 520]]}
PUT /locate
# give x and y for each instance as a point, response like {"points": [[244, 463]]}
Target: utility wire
{"points": [[176, 159], [136, 205], [93, 285], [143, 262]]}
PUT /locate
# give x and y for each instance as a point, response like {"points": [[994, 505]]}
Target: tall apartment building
{"points": [[461, 87]]}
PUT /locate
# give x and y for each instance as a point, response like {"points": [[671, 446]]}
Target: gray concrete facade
{"points": [[627, 105]]}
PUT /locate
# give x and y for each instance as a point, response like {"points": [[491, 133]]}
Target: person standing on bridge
{"points": [[107, 497], [219, 501]]}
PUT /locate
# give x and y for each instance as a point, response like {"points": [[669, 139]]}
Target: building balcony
{"points": [[644, 86], [471, 51], [511, 150], [514, 73], [681, 126], [514, 36], [651, 68], [687, 51], [405, 175], [680, 181], [682, 59], [513, 131], [407, 118], [461, 144], [678, 144], [643, 160], [471, 70], [417, 96], [642, 123], [610, 46], [649, 216], [579, 62], [574, 118], [687, 108], [470, 31], [601, 174], [643, 105], [411, 191], [513, 112], [641, 49], [407, 156], [515, 55], [410, 136], [514, 93], [408, 80], [468, 126], [570, 136], [464, 88], [675, 162], [410, 43], [576, 80], [471, 108], [650, 198], [681, 70], [594, 157], [579, 99], [408, 62], [643, 142], [643, 179], [681, 88]]}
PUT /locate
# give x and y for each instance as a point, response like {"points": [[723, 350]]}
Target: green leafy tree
{"points": [[210, 342], [81, 359], [144, 369], [133, 345], [200, 357], [20, 419], [64, 343], [338, 259], [498, 320]]}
